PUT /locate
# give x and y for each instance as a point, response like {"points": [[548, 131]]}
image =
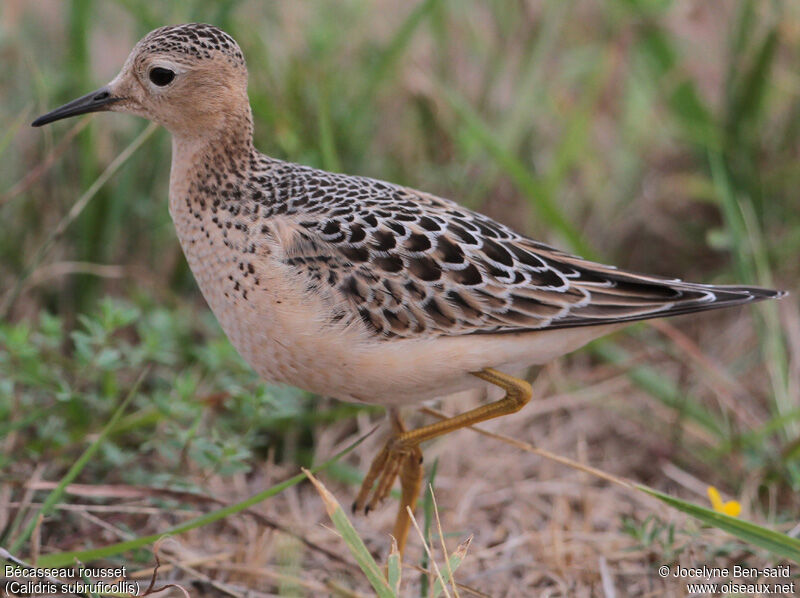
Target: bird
{"points": [[357, 288]]}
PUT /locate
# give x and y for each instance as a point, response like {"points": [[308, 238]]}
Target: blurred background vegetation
{"points": [[658, 135]]}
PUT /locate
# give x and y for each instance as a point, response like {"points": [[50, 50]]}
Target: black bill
{"points": [[92, 102]]}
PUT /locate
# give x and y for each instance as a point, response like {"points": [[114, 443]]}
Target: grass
{"points": [[655, 135]]}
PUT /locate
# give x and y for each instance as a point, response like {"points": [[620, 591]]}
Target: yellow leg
{"points": [[401, 455]]}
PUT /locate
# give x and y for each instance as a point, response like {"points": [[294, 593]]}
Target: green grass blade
{"points": [[770, 329], [575, 134], [758, 437], [747, 103], [660, 387], [683, 99], [75, 211], [427, 522], [530, 90], [533, 85], [353, 542], [734, 222], [532, 187], [770, 540], [77, 467], [393, 568], [327, 142], [62, 559], [453, 562], [393, 51]]}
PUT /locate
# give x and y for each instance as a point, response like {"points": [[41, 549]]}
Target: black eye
{"points": [[160, 76]]}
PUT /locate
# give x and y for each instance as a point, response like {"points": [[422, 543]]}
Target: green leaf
{"points": [[353, 542], [393, 568], [77, 467], [770, 540], [453, 562]]}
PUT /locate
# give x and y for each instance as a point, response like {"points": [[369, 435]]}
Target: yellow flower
{"points": [[732, 507]]}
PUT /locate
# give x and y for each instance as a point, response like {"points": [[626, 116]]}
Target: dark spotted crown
{"points": [[199, 40]]}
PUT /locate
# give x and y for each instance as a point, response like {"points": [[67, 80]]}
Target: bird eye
{"points": [[161, 76]]}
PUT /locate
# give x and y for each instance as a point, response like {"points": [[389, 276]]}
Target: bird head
{"points": [[191, 79]]}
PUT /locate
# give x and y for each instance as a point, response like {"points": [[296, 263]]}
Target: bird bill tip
{"points": [[96, 101]]}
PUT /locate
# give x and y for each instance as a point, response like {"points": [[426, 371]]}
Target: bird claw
{"points": [[384, 470]]}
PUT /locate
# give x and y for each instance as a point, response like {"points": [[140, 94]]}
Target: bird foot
{"points": [[397, 458]]}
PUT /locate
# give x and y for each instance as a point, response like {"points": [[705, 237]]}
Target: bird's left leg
{"points": [[401, 455], [389, 464]]}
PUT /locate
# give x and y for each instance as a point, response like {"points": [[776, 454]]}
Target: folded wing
{"points": [[408, 264]]}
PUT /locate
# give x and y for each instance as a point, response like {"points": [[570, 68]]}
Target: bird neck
{"points": [[215, 156], [227, 132]]}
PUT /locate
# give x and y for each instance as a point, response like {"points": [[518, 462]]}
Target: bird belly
{"points": [[275, 327]]}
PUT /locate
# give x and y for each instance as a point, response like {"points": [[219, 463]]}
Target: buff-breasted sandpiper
{"points": [[357, 288]]}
